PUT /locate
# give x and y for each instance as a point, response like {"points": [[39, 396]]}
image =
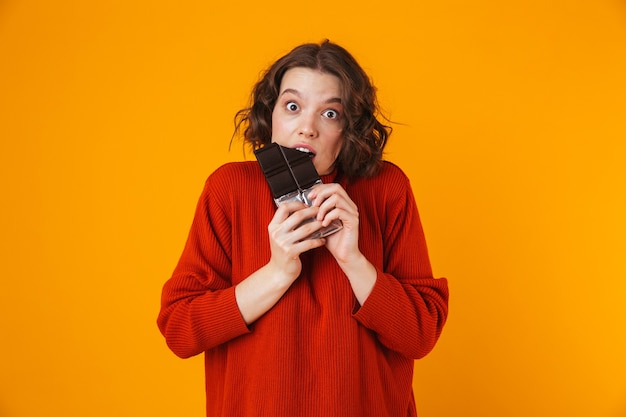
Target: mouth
{"points": [[307, 151]]}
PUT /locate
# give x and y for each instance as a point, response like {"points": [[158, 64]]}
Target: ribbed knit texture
{"points": [[317, 352]]}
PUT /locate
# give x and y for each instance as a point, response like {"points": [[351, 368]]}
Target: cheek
{"points": [[280, 126], [337, 143]]}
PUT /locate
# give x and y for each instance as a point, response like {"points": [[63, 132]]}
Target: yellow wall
{"points": [[514, 135]]}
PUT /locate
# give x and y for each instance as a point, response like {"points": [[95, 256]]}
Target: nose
{"points": [[308, 126]]}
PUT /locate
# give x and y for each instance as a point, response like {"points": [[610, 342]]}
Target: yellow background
{"points": [[512, 127]]}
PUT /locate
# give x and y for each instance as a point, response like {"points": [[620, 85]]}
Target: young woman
{"points": [[291, 326]]}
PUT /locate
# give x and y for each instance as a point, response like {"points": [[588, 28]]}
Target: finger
{"points": [[328, 205], [337, 202], [324, 191], [308, 244], [299, 217], [286, 209], [339, 215], [334, 192], [295, 240], [305, 230]]}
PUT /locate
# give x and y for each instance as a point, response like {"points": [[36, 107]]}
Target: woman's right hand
{"points": [[288, 238], [258, 293]]}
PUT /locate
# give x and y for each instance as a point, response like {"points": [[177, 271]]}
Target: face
{"points": [[309, 115]]}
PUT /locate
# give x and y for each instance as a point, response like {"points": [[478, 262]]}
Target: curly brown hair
{"points": [[364, 136]]}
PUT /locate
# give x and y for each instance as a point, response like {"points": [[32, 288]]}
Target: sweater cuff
{"points": [[381, 297], [228, 323]]}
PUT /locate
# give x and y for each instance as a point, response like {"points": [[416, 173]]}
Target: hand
{"points": [[335, 204], [259, 292], [287, 238]]}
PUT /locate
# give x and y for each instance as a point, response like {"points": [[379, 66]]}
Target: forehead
{"points": [[306, 81]]}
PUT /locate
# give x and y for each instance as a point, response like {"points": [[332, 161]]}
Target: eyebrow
{"points": [[297, 93]]}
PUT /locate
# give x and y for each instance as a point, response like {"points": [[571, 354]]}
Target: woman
{"points": [[308, 327]]}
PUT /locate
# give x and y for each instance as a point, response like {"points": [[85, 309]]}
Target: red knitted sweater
{"points": [[317, 352]]}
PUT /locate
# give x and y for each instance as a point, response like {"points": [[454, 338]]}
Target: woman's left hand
{"points": [[335, 204]]}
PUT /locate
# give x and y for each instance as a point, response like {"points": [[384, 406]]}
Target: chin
{"points": [[324, 171]]}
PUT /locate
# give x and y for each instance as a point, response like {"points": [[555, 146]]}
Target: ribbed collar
{"points": [[334, 176]]}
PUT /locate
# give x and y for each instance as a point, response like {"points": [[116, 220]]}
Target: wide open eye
{"points": [[331, 114], [292, 106]]}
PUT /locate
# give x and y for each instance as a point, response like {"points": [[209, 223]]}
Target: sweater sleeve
{"points": [[198, 306], [407, 307]]}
